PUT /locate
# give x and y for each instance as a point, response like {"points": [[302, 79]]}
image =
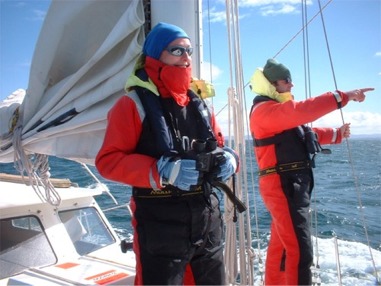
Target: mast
{"points": [[186, 14]]}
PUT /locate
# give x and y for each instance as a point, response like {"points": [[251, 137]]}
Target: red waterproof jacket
{"points": [[117, 160], [270, 117]]}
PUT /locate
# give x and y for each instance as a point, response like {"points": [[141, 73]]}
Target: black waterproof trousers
{"points": [[175, 232]]}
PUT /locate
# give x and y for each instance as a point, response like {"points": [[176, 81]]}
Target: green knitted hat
{"points": [[274, 71]]}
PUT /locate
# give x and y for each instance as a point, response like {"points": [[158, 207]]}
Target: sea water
{"points": [[346, 208]]}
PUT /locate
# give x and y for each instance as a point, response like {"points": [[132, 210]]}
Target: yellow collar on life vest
{"points": [[201, 87], [260, 85]]}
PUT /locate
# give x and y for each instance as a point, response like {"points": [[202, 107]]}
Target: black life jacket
{"points": [[292, 153], [290, 145], [166, 123]]}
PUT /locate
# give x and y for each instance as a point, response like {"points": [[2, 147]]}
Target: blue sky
{"points": [[353, 30]]}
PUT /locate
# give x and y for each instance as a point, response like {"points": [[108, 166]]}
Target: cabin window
{"points": [[23, 244], [86, 229]]}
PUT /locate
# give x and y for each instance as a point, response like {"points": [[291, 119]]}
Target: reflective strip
{"points": [[338, 99], [334, 136], [139, 106]]}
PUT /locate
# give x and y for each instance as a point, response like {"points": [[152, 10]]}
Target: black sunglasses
{"points": [[288, 80], [178, 51]]}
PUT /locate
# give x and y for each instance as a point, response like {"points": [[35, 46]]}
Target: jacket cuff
{"points": [[336, 138], [339, 98]]}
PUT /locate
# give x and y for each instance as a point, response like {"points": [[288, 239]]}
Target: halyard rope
{"points": [[357, 187]]}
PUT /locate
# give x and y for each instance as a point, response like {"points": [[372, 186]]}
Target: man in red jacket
{"points": [[285, 148], [148, 145]]}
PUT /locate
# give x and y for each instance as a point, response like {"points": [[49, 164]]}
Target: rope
{"points": [[337, 260], [294, 37], [103, 186], [210, 46], [231, 20], [307, 68], [36, 168], [230, 254], [236, 111], [361, 210], [357, 187], [315, 268], [261, 265]]}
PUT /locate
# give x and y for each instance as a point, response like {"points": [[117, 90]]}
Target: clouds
{"points": [[274, 7], [217, 13], [276, 10], [38, 15], [28, 12], [362, 122], [215, 16], [208, 69], [269, 2], [354, 47]]}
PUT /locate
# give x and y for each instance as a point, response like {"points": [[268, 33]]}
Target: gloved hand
{"points": [[229, 166], [180, 173]]}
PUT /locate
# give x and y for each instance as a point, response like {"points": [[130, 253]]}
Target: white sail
{"points": [[84, 54]]}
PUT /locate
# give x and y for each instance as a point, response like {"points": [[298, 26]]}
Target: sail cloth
{"points": [[84, 54]]}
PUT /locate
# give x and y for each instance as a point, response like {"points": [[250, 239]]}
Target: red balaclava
{"points": [[170, 80]]}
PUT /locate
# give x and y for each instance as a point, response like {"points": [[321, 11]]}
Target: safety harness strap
{"points": [[281, 168], [268, 140], [168, 192]]}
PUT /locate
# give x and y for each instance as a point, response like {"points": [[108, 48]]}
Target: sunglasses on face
{"points": [[288, 80], [178, 51]]}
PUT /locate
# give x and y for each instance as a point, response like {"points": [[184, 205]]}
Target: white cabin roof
{"points": [[16, 195]]}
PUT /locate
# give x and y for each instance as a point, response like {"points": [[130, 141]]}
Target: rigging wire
{"points": [[315, 268], [308, 91], [210, 46], [302, 29], [357, 187], [231, 235], [292, 39], [236, 109], [320, 12], [99, 183]]}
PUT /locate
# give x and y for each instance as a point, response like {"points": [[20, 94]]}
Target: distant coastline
{"points": [[366, 136], [353, 136]]}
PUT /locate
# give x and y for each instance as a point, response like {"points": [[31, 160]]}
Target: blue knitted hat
{"points": [[160, 37]]}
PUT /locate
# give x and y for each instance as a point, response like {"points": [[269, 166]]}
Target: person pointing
{"points": [[285, 148]]}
